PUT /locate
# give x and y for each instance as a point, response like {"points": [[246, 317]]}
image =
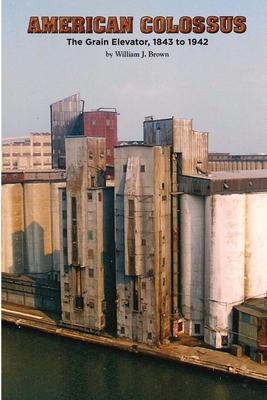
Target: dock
{"points": [[210, 359]]}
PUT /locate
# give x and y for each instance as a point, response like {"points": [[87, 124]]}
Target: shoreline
{"points": [[197, 356]]}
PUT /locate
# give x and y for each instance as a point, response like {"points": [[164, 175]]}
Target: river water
{"points": [[37, 366]]}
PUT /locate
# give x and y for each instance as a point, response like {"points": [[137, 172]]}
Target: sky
{"points": [[222, 86]]}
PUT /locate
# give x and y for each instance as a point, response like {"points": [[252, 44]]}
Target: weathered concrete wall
{"points": [[12, 229], [229, 234], [83, 279], [192, 250], [224, 264], [30, 227], [255, 250], [38, 228], [142, 223]]}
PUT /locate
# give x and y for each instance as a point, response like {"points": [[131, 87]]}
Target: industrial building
{"points": [[65, 119], [222, 249], [30, 223], [172, 248], [233, 162], [102, 123], [88, 272], [142, 223], [29, 152], [69, 119], [189, 155], [251, 325]]}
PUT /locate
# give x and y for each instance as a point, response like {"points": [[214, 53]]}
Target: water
{"points": [[44, 367]]}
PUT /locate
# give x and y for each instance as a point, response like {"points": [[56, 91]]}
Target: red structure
{"points": [[102, 123]]}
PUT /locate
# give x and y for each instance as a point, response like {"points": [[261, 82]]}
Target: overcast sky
{"points": [[222, 86]]}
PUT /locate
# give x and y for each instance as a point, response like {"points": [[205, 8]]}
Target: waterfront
{"points": [[41, 366]]}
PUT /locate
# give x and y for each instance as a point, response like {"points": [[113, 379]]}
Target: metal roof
{"points": [[255, 307]]}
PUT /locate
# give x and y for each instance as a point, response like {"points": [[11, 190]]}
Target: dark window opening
{"points": [[225, 340], [197, 329], [89, 196], [136, 297], [142, 168], [91, 272], [180, 326], [124, 168], [99, 196], [143, 242], [74, 231], [131, 263], [131, 208]]}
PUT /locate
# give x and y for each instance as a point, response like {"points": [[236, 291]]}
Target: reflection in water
{"points": [[44, 367]]}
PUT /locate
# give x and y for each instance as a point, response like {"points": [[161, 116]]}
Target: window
{"points": [[164, 198], [64, 195], [65, 233], [180, 326], [89, 196], [122, 330], [64, 214], [149, 336], [107, 122], [124, 167], [197, 329], [91, 305], [131, 208], [91, 272], [245, 318], [225, 340], [136, 299], [92, 181], [142, 168], [143, 242], [90, 254], [99, 196], [131, 263], [66, 287], [90, 235], [162, 185]]}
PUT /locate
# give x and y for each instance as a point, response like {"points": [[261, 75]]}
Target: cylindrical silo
{"points": [[224, 265], [256, 254], [38, 233], [12, 228], [192, 262]]}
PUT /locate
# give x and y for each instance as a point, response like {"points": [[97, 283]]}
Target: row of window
{"points": [[90, 196], [142, 168]]}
